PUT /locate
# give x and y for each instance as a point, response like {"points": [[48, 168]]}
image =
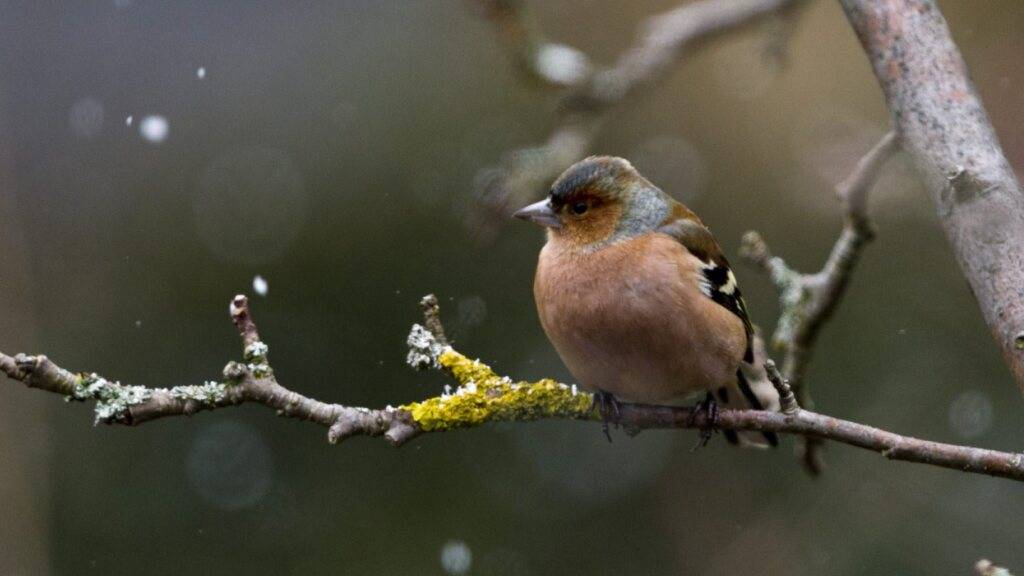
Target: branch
{"points": [[250, 382], [666, 39], [947, 133], [482, 396], [808, 300], [986, 568], [548, 63], [593, 93]]}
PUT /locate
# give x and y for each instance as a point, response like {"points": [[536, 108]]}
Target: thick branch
{"points": [[946, 131], [481, 397]]}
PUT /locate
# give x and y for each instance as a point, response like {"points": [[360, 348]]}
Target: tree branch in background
{"points": [[808, 300], [482, 396], [591, 93], [550, 64], [986, 568], [944, 128]]}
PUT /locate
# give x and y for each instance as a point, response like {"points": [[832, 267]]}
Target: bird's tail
{"points": [[750, 390]]}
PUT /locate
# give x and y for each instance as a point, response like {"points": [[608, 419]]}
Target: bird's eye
{"points": [[579, 208]]}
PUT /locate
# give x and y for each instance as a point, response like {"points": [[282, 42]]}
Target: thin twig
{"points": [[482, 397], [808, 300], [787, 401], [432, 318], [250, 381]]}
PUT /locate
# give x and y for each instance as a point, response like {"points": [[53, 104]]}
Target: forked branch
{"points": [[808, 300], [481, 396]]}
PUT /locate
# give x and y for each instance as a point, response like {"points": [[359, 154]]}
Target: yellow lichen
{"points": [[465, 370], [483, 396]]}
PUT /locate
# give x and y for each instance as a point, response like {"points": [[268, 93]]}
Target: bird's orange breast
{"points": [[629, 318]]}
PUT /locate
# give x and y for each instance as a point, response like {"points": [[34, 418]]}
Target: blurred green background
{"points": [[331, 148]]}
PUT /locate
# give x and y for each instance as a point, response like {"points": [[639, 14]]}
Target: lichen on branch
{"points": [[806, 301], [114, 400], [483, 396]]}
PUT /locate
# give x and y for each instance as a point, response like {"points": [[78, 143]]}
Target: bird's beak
{"points": [[540, 213]]}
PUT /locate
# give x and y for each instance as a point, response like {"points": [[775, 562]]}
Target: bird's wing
{"points": [[718, 282]]}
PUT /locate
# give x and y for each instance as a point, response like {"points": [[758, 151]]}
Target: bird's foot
{"points": [[608, 406], [710, 409]]}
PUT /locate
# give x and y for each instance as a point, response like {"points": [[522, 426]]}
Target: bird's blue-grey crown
{"points": [[646, 206], [608, 174]]}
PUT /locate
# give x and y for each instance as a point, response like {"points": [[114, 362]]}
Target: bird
{"points": [[637, 298]]}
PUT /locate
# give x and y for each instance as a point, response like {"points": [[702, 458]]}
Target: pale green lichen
{"points": [[208, 393], [256, 351], [256, 354], [792, 301], [483, 396], [259, 370], [112, 398], [424, 349]]}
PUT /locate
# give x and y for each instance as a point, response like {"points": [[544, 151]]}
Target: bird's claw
{"points": [[710, 409], [608, 406]]}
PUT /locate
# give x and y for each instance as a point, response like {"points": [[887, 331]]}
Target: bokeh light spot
{"points": [[260, 286], [229, 466], [86, 117], [471, 312], [456, 557], [971, 414], [154, 129]]}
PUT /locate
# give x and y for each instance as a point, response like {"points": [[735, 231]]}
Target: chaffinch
{"points": [[634, 293]]}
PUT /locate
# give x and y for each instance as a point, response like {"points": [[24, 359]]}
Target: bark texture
{"points": [[945, 130]]}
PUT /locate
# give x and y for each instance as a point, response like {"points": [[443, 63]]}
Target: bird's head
{"points": [[595, 199]]}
